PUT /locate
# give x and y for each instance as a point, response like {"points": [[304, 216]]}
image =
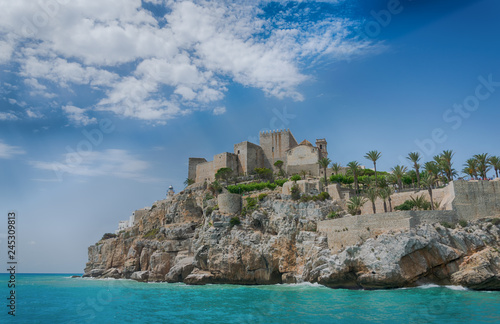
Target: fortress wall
{"points": [[250, 156], [302, 157], [433, 216], [476, 199], [399, 198], [205, 172], [193, 162], [229, 203], [305, 186], [350, 230], [274, 145]]}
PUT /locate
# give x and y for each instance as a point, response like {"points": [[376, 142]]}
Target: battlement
{"points": [[274, 132]]}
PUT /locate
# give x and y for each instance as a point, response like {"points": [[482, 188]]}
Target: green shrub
{"points": [[262, 196], [333, 215], [208, 197], [323, 196], [447, 225], [280, 182], [495, 221], [108, 236], [126, 235], [462, 223], [248, 187], [209, 211], [151, 234], [235, 221], [295, 177], [295, 192], [407, 205]]}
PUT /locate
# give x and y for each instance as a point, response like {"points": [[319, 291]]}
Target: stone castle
{"points": [[273, 146]]}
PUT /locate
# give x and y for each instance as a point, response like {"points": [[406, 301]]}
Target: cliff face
{"points": [[187, 239]]}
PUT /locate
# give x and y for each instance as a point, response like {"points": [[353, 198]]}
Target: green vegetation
{"points": [[151, 234], [354, 205], [463, 223], [188, 182], [108, 236], [495, 221], [374, 156], [262, 196], [235, 221], [333, 215], [250, 207], [264, 173], [209, 211], [324, 163], [247, 187], [224, 174], [279, 165], [322, 196], [447, 225], [407, 205], [295, 192], [280, 182], [295, 177]]}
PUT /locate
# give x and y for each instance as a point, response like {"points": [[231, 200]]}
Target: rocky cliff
{"points": [[189, 239]]}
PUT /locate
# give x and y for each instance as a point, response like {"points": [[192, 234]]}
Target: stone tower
{"points": [[321, 145], [274, 144]]}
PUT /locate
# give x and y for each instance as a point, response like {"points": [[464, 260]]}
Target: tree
{"points": [[336, 167], [415, 158], [224, 174], [494, 162], [295, 178], [354, 167], [374, 156], [482, 164], [355, 203], [215, 188], [324, 163], [264, 173], [303, 173], [383, 194], [431, 177], [279, 165], [188, 182], [470, 168], [399, 171], [446, 157], [389, 192], [372, 195]]}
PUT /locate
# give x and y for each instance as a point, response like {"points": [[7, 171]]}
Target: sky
{"points": [[102, 105]]}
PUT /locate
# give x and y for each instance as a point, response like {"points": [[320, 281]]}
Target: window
{"points": [[320, 147], [238, 151], [273, 148]]}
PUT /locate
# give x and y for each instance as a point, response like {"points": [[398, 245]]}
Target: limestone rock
{"points": [[140, 275]]}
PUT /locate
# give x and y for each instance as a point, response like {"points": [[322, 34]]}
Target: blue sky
{"points": [[168, 80]]}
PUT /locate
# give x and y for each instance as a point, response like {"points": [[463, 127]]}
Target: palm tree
{"points": [[383, 194], [324, 163], [494, 161], [336, 167], [374, 156], [446, 157], [354, 167], [415, 158], [355, 203], [188, 182], [399, 171], [303, 173], [372, 195], [430, 179], [470, 168], [389, 191], [482, 164]]}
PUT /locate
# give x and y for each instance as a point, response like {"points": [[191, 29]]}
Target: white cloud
{"points": [[8, 116], [77, 115], [156, 69], [112, 162], [34, 114], [8, 151], [219, 111]]}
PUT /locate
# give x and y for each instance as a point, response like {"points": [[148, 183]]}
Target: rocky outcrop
{"points": [[188, 239]]}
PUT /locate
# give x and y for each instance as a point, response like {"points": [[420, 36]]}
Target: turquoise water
{"points": [[60, 299]]}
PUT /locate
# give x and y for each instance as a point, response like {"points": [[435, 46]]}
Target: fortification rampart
{"points": [[468, 200]]}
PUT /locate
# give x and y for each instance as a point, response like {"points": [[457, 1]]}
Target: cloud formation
{"points": [[157, 67], [8, 151]]}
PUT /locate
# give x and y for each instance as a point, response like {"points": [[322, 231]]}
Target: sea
{"points": [[58, 298]]}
